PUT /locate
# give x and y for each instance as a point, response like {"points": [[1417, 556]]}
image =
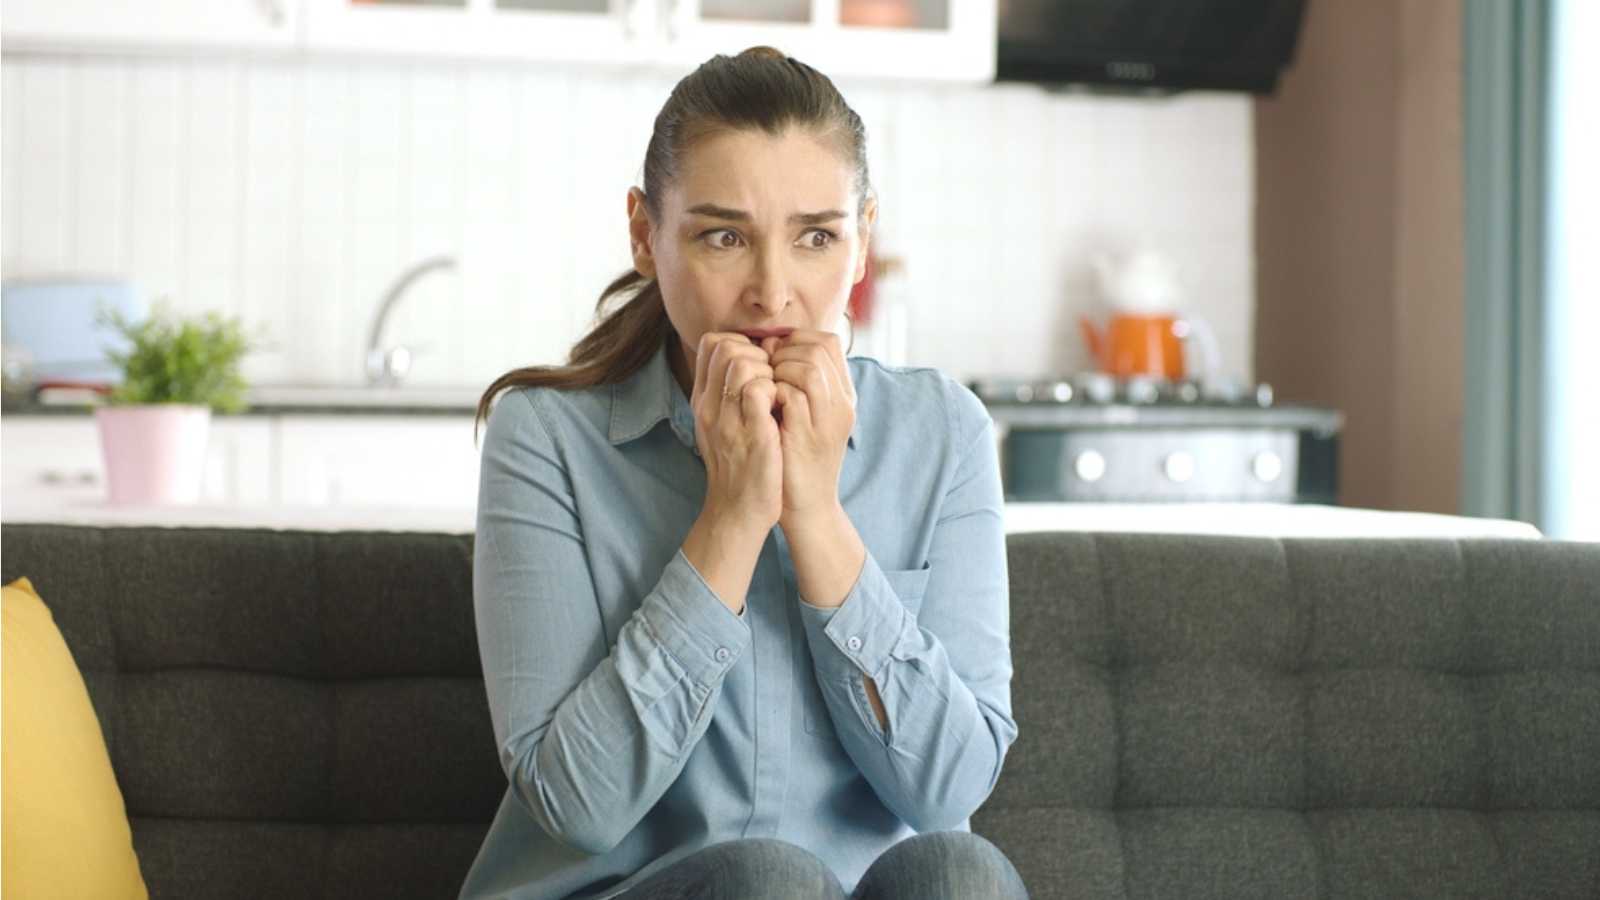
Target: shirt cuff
{"points": [[861, 634], [693, 624]]}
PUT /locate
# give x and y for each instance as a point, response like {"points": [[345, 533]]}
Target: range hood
{"points": [[1148, 46]]}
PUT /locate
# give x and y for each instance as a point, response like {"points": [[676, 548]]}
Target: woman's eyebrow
{"points": [[739, 215]]}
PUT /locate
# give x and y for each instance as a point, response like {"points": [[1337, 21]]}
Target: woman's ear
{"points": [[869, 216], [640, 234]]}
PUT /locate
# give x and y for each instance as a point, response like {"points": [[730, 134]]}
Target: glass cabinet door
{"points": [[913, 14], [764, 11], [76, 25], [922, 39], [557, 30]]}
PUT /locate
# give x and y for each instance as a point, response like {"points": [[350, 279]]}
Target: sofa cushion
{"points": [[66, 830]]}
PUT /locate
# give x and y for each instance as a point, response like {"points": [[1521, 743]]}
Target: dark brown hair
{"points": [[760, 88]]}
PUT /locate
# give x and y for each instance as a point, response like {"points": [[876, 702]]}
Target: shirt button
{"points": [[854, 643], [723, 654]]}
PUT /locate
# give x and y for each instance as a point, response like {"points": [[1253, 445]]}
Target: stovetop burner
{"points": [[1102, 389]]}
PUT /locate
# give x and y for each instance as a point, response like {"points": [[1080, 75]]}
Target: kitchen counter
{"points": [[272, 400], [1256, 519]]}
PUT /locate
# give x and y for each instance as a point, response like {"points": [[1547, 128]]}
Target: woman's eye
{"points": [[828, 238], [719, 238]]}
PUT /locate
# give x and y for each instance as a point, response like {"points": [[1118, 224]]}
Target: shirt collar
{"points": [[652, 394]]}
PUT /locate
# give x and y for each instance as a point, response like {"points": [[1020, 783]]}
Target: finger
{"points": [[723, 352], [841, 368], [826, 352], [807, 376], [819, 347], [712, 400], [756, 399], [711, 362], [780, 399], [702, 358], [746, 367], [796, 407]]}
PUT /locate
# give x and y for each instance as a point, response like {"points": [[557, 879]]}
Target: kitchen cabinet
{"points": [[549, 30], [938, 39], [50, 459], [370, 460], [162, 25], [950, 40], [56, 460]]}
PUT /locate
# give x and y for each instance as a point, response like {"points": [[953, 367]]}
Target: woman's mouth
{"points": [[760, 334]]}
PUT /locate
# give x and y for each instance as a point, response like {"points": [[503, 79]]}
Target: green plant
{"points": [[179, 360]]}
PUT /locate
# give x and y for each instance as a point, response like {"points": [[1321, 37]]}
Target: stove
{"points": [[1101, 388], [1098, 438]]}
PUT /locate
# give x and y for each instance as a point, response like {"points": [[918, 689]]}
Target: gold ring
{"points": [[731, 395]]}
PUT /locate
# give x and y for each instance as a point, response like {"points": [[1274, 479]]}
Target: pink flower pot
{"points": [[154, 453]]}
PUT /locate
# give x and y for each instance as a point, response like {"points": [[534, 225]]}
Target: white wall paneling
{"points": [[291, 192], [156, 178]]}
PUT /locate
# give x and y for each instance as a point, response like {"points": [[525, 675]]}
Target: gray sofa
{"points": [[301, 714]]}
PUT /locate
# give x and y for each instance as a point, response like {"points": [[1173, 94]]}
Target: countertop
{"points": [[271, 400], [462, 400], [1252, 519]]}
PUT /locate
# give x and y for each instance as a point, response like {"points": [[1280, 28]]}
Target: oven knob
{"points": [[1267, 466], [1097, 387], [1143, 390], [1024, 393], [1090, 465], [1263, 394], [1179, 466], [1061, 391]]}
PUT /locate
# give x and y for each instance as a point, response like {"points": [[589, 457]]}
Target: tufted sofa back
{"points": [[1229, 717], [301, 714]]}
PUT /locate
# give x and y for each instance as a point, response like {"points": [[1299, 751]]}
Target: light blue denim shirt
{"points": [[639, 720]]}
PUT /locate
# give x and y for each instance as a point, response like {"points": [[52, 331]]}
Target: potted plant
{"points": [[155, 425]]}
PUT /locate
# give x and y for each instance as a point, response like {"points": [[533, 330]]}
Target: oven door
{"points": [[1162, 464]]}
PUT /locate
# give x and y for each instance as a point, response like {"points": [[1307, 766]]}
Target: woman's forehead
{"points": [[794, 171]]}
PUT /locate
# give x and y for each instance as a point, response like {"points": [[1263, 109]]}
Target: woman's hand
{"points": [[733, 401], [816, 406]]}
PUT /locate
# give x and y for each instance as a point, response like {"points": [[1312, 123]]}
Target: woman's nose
{"points": [[770, 282]]}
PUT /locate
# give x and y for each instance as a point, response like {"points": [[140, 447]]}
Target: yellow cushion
{"points": [[65, 828]]}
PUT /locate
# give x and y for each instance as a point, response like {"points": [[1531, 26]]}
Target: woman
{"points": [[742, 602]]}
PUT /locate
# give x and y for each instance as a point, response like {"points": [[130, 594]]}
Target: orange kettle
{"points": [[1145, 336], [1135, 344]]}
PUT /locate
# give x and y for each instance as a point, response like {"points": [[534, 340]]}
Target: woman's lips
{"points": [[760, 334]]}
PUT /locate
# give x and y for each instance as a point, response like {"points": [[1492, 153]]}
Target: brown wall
{"points": [[1358, 242]]}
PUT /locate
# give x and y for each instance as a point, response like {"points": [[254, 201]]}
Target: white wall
{"points": [[292, 192]]}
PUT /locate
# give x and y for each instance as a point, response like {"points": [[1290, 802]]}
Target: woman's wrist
{"points": [[724, 551], [828, 556]]}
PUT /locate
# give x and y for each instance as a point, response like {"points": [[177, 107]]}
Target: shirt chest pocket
{"points": [[909, 585]]}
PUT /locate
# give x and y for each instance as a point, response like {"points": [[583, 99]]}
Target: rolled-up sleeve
{"points": [[942, 667], [589, 736]]}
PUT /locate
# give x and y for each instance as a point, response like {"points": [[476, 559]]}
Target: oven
{"points": [[1095, 438]]}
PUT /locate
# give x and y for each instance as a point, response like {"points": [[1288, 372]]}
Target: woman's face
{"points": [[756, 232]]}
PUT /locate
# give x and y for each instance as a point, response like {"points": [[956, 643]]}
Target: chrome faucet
{"points": [[385, 367]]}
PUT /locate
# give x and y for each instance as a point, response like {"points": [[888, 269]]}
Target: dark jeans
{"points": [[942, 865]]}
